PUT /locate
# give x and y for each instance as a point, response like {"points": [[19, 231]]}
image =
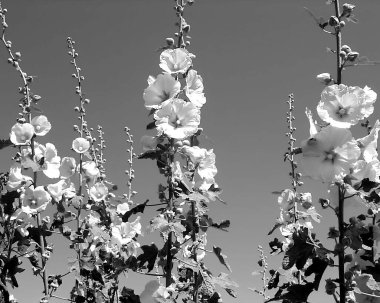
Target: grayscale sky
{"points": [[251, 55]]}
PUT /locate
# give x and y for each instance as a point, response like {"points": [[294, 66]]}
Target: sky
{"points": [[251, 55]]}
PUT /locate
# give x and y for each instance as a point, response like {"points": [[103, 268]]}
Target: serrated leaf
{"points": [[222, 258]]}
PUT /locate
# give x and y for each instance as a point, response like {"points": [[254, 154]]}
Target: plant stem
{"points": [[342, 288], [338, 36]]}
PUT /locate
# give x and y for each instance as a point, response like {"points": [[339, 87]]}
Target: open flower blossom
{"points": [[368, 144], [45, 158], [194, 88], [80, 145], [34, 200], [62, 188], [363, 170], [176, 60], [124, 233], [344, 106], [16, 179], [21, 134], [67, 168], [41, 125], [329, 155], [122, 208], [98, 192], [203, 160], [91, 172], [177, 119], [163, 88]]}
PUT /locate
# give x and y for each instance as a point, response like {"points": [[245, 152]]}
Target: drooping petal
{"points": [[368, 144], [194, 88]]}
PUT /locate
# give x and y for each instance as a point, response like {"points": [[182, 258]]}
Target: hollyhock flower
{"points": [[98, 192], [343, 106], [314, 128], [329, 155], [163, 88], [21, 134], [45, 158], [204, 161], [149, 143], [122, 234], [177, 119], [175, 61], [34, 200], [61, 188], [16, 179], [41, 125], [363, 170], [67, 168], [91, 171], [194, 88], [368, 144], [80, 145]]}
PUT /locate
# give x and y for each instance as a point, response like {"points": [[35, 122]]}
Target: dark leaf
{"points": [[222, 225], [297, 293], [5, 143], [318, 267], [128, 296], [150, 154], [149, 256], [222, 258], [137, 209], [151, 125]]}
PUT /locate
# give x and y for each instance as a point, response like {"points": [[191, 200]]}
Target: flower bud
{"points": [[346, 49], [352, 56], [324, 78], [169, 41], [333, 21]]}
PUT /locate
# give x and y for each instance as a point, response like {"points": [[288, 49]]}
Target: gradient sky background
{"points": [[251, 55]]}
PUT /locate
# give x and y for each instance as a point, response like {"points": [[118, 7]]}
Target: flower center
{"points": [[80, 148], [33, 202], [330, 156], [342, 112], [23, 138], [175, 66], [38, 127]]}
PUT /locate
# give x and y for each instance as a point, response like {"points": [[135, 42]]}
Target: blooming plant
{"points": [[349, 168], [79, 203]]}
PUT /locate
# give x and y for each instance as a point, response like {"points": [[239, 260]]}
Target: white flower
{"points": [[61, 188], [21, 134], [45, 159], [122, 208], [16, 179], [194, 88], [34, 200], [122, 234], [329, 155], [91, 171], [163, 88], [175, 61], [343, 106], [363, 170], [368, 144], [98, 191], [41, 125], [80, 145], [177, 119], [67, 168]]}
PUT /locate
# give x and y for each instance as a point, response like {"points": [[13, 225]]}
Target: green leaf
{"points": [[222, 225], [222, 258]]}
